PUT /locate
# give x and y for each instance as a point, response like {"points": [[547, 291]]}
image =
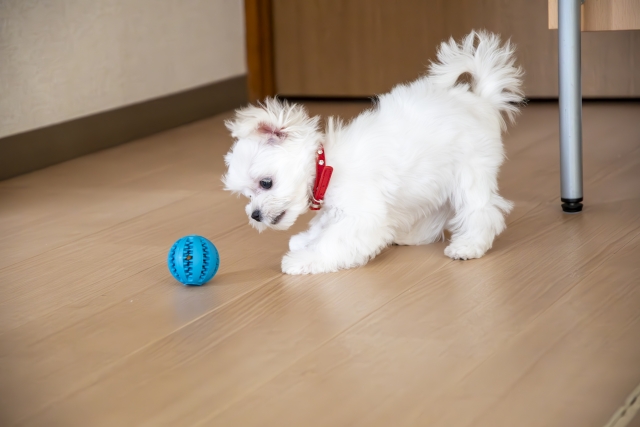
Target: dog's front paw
{"points": [[464, 250], [305, 262], [298, 242], [297, 262]]}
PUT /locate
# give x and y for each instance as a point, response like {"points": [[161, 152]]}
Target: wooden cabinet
{"points": [[603, 15], [356, 48]]}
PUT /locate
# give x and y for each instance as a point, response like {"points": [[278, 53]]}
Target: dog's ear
{"points": [[272, 122], [271, 133]]}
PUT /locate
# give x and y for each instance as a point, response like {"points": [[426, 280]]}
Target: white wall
{"points": [[63, 59]]}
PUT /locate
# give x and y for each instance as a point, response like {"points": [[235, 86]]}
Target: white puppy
{"points": [[424, 159]]}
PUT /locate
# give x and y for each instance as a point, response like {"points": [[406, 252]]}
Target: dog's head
{"points": [[272, 162]]}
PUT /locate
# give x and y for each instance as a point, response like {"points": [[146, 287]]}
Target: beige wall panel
{"points": [[63, 59]]}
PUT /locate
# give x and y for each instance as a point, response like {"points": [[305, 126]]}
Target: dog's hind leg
{"points": [[479, 212], [426, 229]]}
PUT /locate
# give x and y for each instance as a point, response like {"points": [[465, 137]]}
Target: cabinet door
{"points": [[356, 48]]}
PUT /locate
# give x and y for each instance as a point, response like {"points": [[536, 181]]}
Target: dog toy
{"points": [[193, 260]]}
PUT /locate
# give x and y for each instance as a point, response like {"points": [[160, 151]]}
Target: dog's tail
{"points": [[491, 66]]}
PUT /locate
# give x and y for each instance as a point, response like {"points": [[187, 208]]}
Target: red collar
{"points": [[323, 175]]}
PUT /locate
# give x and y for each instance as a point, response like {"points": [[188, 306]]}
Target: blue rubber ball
{"points": [[193, 260]]}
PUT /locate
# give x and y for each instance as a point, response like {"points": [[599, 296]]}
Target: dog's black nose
{"points": [[256, 215]]}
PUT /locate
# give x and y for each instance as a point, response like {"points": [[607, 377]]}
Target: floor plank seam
{"points": [[321, 345], [105, 308], [75, 241], [207, 419], [104, 371], [583, 278], [119, 281], [532, 323], [536, 319]]}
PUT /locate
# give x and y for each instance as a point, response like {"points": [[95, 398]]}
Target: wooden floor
{"points": [[542, 331]]}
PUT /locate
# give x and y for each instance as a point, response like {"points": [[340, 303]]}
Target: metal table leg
{"points": [[570, 97]]}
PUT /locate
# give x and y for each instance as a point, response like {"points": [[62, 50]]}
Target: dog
{"points": [[423, 160]]}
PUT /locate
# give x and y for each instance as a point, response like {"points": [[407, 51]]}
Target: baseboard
{"points": [[36, 149]]}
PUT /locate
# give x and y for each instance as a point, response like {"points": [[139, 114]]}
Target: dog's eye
{"points": [[266, 183]]}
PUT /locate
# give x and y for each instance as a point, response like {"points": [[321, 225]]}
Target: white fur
{"points": [[424, 159]]}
